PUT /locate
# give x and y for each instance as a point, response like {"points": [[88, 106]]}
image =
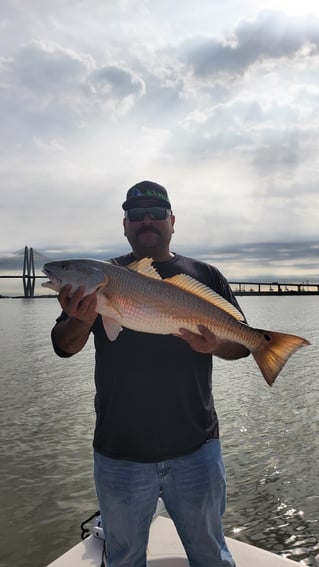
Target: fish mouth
{"points": [[53, 280]]}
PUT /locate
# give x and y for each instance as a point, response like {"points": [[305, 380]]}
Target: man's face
{"points": [[148, 234]]}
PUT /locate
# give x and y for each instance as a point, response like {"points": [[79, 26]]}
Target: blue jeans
{"points": [[193, 490]]}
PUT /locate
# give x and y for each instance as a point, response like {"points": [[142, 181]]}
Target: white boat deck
{"points": [[166, 550]]}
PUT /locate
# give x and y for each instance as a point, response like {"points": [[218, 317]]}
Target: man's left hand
{"points": [[204, 341], [208, 343]]}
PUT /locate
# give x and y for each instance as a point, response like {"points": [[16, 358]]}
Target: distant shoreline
{"points": [[50, 296], [280, 293], [236, 293]]}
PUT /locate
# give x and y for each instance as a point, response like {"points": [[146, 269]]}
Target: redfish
{"points": [[138, 298]]}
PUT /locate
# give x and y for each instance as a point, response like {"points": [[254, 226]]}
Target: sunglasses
{"points": [[155, 213]]}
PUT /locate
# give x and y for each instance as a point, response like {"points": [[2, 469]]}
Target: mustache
{"points": [[149, 228]]}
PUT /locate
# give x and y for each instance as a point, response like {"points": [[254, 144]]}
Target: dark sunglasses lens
{"points": [[159, 213], [156, 213]]}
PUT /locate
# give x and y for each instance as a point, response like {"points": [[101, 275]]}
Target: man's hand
{"points": [[204, 341], [208, 343], [77, 306]]}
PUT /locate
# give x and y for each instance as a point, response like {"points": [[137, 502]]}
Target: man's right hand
{"points": [[77, 306]]}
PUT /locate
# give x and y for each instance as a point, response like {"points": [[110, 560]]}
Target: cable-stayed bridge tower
{"points": [[28, 275]]}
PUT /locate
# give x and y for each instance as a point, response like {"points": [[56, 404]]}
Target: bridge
{"points": [[28, 275], [274, 288], [29, 278]]}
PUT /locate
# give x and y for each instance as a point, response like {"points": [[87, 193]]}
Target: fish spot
{"points": [[267, 337]]}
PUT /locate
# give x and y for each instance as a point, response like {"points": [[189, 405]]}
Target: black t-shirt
{"points": [[153, 392]]}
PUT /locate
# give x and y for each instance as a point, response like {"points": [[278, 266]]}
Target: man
{"points": [[156, 427]]}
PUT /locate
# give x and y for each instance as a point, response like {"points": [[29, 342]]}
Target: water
{"points": [[269, 435]]}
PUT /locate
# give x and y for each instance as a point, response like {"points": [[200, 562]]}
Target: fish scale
{"points": [[169, 309]]}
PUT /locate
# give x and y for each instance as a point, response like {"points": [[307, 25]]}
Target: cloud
{"points": [[118, 80], [116, 87], [49, 90], [267, 261], [95, 98], [48, 67], [271, 36]]}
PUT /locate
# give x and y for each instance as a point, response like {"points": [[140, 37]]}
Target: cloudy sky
{"points": [[218, 100]]}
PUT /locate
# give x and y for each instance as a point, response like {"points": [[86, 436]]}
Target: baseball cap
{"points": [[146, 190]]}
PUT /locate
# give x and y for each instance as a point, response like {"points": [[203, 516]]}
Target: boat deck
{"points": [[165, 550]]}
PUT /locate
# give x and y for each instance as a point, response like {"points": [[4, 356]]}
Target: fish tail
{"points": [[274, 351]]}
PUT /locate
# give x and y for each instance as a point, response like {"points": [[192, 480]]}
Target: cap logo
{"points": [[154, 194], [135, 193], [150, 193]]}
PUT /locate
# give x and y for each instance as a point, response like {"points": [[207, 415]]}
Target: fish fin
{"points": [[109, 313], [189, 284], [111, 327], [145, 267], [274, 351]]}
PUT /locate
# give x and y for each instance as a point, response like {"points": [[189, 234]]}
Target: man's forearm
{"points": [[70, 335]]}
